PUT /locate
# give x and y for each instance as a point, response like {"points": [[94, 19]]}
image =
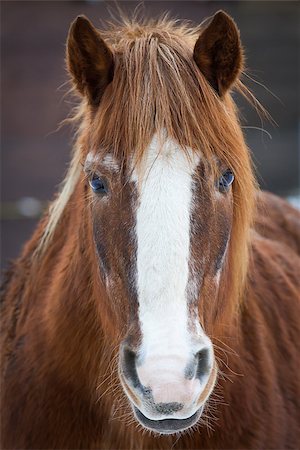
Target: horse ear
{"points": [[90, 61], [218, 52]]}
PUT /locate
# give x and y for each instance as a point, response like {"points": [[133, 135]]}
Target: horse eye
{"points": [[225, 181], [98, 185]]}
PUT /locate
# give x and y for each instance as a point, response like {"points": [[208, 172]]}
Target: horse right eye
{"points": [[98, 185], [225, 181]]}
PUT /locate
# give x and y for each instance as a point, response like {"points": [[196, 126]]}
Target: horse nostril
{"points": [[202, 358], [129, 366]]}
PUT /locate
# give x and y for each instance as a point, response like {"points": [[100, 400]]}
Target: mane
{"points": [[158, 88]]}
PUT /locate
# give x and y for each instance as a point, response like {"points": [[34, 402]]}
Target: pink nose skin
{"points": [[165, 377]]}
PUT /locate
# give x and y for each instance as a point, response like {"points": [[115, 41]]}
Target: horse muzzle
{"points": [[168, 392]]}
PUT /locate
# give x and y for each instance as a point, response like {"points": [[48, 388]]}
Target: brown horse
{"points": [[156, 305]]}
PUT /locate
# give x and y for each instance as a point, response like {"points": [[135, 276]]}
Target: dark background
{"points": [[35, 155]]}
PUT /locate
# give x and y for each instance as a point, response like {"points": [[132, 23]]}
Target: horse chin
{"points": [[167, 426]]}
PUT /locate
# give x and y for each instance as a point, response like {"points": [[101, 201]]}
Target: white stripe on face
{"points": [[163, 252]]}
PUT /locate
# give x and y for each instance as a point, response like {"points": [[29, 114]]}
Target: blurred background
{"points": [[35, 154]]}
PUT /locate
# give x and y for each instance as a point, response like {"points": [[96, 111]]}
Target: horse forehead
{"points": [[165, 159], [163, 154]]}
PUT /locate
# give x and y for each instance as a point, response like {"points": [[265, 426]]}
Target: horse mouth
{"points": [[167, 426]]}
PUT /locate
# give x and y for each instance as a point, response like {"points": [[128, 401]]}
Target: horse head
{"points": [[169, 188]]}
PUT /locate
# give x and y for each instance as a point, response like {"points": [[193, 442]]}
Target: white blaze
{"points": [[163, 252]]}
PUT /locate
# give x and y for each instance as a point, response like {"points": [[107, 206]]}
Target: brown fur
{"points": [[60, 333]]}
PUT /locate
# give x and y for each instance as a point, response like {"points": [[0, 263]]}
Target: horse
{"points": [[156, 305]]}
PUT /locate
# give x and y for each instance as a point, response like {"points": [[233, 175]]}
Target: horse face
{"points": [[161, 227], [161, 233]]}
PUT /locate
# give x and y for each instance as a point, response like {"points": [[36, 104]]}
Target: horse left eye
{"points": [[98, 185], [225, 181]]}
